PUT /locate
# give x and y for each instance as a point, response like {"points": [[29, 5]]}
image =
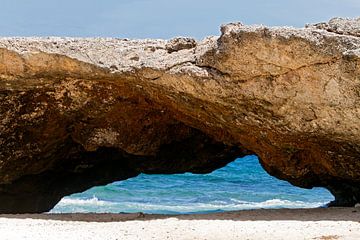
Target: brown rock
{"points": [[76, 113], [180, 43]]}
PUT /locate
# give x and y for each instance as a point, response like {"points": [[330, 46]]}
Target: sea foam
{"points": [[94, 201], [95, 205]]}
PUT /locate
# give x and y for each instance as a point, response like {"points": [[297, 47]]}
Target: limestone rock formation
{"points": [[76, 113]]}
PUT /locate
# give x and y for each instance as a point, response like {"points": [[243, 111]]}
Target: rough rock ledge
{"points": [[76, 113]]}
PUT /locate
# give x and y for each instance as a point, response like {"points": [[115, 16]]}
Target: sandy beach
{"points": [[325, 224]]}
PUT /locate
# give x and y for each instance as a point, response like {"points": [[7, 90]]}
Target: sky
{"points": [[159, 18]]}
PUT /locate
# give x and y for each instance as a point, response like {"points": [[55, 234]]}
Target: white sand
{"points": [[190, 227], [173, 228]]}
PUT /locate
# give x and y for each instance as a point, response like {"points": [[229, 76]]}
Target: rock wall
{"points": [[76, 113]]}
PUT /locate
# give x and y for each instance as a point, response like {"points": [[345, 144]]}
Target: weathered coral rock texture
{"points": [[76, 113]]}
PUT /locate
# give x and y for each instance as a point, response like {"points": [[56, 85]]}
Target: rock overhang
{"points": [[83, 112]]}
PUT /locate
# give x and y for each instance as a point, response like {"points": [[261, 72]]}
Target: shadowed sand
{"points": [[321, 223]]}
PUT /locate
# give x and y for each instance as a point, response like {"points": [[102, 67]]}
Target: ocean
{"points": [[242, 184]]}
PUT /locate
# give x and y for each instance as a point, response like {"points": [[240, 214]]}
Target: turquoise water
{"points": [[242, 184]]}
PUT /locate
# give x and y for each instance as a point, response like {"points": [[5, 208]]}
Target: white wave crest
{"points": [[95, 205], [217, 206], [94, 201], [279, 203]]}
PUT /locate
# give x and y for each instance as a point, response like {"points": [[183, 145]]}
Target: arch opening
{"points": [[241, 184]]}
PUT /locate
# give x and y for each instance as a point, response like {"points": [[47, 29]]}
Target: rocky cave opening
{"points": [[241, 184]]}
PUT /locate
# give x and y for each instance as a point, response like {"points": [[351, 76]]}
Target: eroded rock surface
{"points": [[76, 113]]}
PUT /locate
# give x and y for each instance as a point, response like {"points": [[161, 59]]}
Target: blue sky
{"points": [[158, 18]]}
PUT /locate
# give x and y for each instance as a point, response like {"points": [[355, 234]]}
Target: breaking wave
{"points": [[95, 205]]}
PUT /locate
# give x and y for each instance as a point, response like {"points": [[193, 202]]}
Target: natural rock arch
{"points": [[82, 112]]}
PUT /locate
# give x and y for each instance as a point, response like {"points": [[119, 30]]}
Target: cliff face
{"points": [[76, 113]]}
